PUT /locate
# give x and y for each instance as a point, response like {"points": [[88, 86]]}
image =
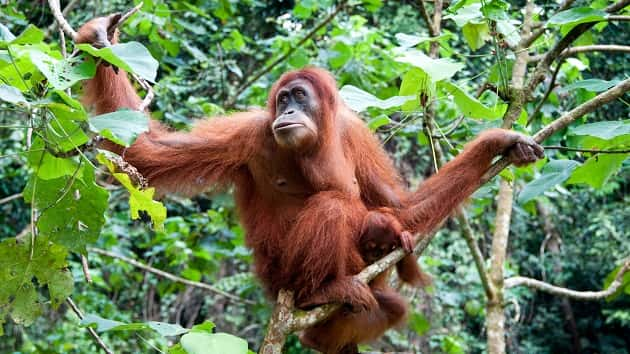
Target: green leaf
{"points": [[23, 275], [592, 85], [131, 56], [576, 16], [12, 95], [414, 83], [30, 35], [476, 34], [103, 324], [625, 281], [436, 69], [467, 14], [597, 169], [604, 130], [554, 173], [218, 343], [138, 199], [470, 106], [360, 100], [72, 208], [121, 127], [341, 53], [419, 323], [99, 323], [62, 74], [378, 122]]}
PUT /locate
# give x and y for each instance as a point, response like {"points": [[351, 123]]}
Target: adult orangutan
{"points": [[318, 196]]}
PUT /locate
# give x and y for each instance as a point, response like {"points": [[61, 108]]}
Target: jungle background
{"points": [[570, 222]]}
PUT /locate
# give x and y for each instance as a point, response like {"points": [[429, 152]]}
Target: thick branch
{"points": [[574, 294], [170, 276], [605, 97], [56, 11]]}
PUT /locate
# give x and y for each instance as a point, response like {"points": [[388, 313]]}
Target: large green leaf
{"points": [[576, 16], [139, 199], [360, 100], [72, 208], [476, 34], [592, 85], [597, 169], [554, 173], [162, 328], [604, 130], [131, 56], [23, 275], [62, 74], [470, 106], [415, 83], [436, 69], [121, 127], [213, 343], [12, 95]]}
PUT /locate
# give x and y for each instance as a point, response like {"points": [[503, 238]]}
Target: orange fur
{"points": [[303, 213]]}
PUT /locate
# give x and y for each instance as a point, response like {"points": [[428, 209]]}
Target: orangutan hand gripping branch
{"points": [[318, 196]]}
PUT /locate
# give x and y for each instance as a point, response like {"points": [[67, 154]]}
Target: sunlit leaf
{"points": [[360, 100], [436, 69], [208, 343], [139, 199], [12, 95], [470, 106]]}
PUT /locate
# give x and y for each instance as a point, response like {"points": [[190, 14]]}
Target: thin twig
{"points": [[594, 151], [86, 269], [253, 78], [552, 85], [573, 294], [90, 330], [170, 276], [10, 198]]}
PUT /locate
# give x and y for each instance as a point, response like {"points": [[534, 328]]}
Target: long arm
{"points": [[210, 155], [439, 195]]}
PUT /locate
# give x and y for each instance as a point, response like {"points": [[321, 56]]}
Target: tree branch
{"points": [[10, 198], [594, 151], [574, 294], [55, 7], [556, 51], [90, 330], [266, 69], [605, 97], [170, 276]]}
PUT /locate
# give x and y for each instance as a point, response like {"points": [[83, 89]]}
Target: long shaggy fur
{"points": [[307, 239]]}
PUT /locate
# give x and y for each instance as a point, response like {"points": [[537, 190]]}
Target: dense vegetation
{"points": [[61, 198]]}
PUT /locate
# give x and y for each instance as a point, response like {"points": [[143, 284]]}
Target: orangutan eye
{"points": [[284, 99], [299, 95]]}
